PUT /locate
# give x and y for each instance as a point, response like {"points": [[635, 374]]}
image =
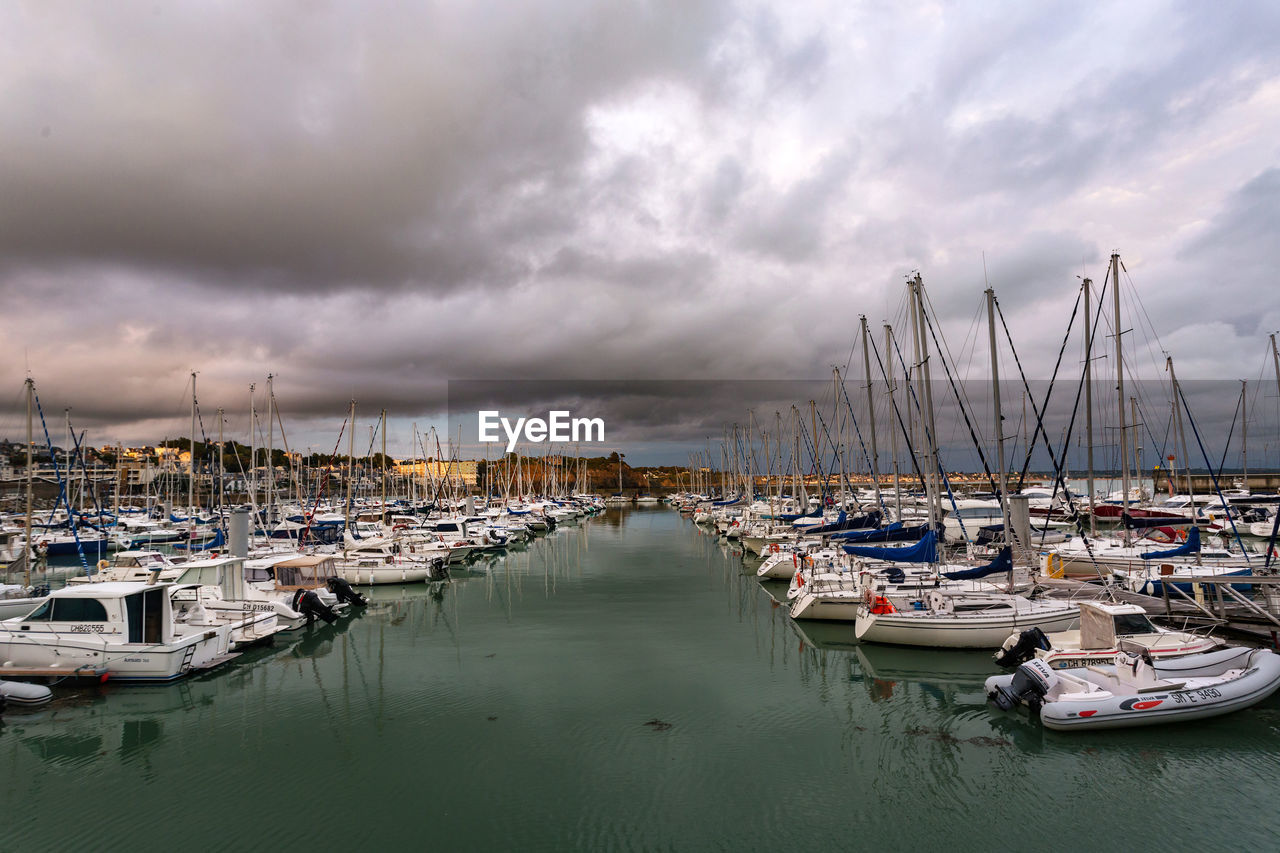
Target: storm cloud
{"points": [[371, 200]]}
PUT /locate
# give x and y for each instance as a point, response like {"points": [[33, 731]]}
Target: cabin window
{"points": [[1133, 623], [78, 610], [42, 612]]}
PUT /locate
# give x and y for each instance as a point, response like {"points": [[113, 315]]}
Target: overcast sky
{"points": [[371, 199]]}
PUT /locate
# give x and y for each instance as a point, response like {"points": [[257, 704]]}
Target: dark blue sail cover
{"points": [[860, 522], [1191, 546], [895, 532], [1001, 565], [924, 551]]}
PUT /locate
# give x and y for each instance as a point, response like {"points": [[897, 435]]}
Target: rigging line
{"points": [[1217, 488], [62, 489], [1027, 387], [1230, 432], [944, 350], [961, 403], [1052, 383], [1058, 480], [896, 411], [853, 419], [1142, 307], [936, 451]]}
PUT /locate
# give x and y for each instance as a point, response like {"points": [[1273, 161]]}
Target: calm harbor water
{"points": [[624, 684]]}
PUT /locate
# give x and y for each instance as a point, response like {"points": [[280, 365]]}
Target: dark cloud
{"points": [[370, 201]]}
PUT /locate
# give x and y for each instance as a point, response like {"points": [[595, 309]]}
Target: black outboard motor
{"points": [[1029, 684], [345, 593], [1021, 647], [309, 605], [438, 571]]}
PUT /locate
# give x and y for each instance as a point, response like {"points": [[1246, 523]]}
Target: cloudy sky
{"points": [[371, 199]]}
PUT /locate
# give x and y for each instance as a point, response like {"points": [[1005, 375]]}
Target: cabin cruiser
{"points": [[124, 630], [1105, 630]]}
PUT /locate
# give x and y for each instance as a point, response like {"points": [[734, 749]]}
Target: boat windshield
{"points": [[1133, 623]]}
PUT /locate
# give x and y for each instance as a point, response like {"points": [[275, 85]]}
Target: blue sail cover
{"points": [[1191, 546], [894, 532], [730, 502], [924, 551], [788, 517], [1001, 565], [217, 541]]}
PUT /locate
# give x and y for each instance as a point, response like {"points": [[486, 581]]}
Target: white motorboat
{"points": [[126, 631], [1105, 630], [1133, 692]]}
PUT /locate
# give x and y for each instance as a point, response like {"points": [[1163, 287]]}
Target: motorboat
{"points": [[1106, 629], [1136, 692], [124, 630]]}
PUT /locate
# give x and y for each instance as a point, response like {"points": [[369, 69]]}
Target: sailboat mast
{"points": [[271, 444], [26, 545], [221, 469], [997, 418], [1244, 430], [191, 479], [1124, 456], [871, 410], [351, 464], [384, 466], [1088, 404], [891, 383]]}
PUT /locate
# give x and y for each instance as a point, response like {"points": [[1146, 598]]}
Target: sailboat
{"points": [[961, 620]]}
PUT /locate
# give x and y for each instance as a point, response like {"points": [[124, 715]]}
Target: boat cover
{"points": [[1002, 564], [1191, 546], [924, 551]]}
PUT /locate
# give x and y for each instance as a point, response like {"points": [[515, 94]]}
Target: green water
{"points": [[626, 684]]}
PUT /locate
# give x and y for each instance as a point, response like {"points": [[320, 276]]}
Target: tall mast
{"points": [[1124, 456], [1180, 434], [271, 446], [892, 385], [26, 545], [1244, 427], [1088, 403], [997, 418], [932, 488], [191, 479], [253, 448], [384, 466], [871, 410], [221, 469], [351, 463]]}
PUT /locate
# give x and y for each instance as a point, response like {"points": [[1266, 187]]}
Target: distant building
{"points": [[464, 469]]}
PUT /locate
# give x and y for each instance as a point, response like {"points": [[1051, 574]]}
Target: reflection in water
{"points": [[624, 683]]}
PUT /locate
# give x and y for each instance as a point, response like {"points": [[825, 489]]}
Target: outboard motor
{"points": [[1021, 647], [1031, 682], [309, 605], [345, 593], [438, 571]]}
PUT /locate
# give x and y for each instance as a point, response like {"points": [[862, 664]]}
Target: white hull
{"points": [[122, 661], [956, 630]]}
